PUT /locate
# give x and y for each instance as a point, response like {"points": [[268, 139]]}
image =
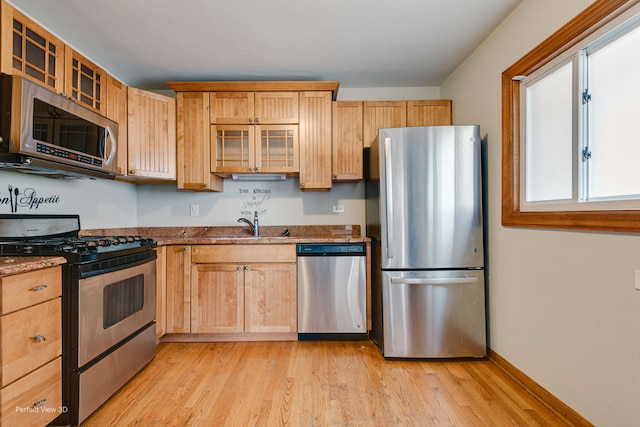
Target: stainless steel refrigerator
{"points": [[424, 215]]}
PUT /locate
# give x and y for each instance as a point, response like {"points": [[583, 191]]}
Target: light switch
{"points": [[195, 210]]}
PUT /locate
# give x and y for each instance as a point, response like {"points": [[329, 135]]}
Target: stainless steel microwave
{"points": [[44, 133]]}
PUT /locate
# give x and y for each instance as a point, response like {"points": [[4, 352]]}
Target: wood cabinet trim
{"points": [[256, 86]]}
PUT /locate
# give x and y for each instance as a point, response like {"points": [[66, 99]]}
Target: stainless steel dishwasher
{"points": [[332, 291]]}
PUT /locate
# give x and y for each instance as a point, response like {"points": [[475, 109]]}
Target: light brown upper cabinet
{"points": [[253, 108], [84, 81], [151, 128], [193, 169], [393, 114], [347, 141], [254, 132], [315, 141], [382, 114], [429, 113], [30, 51], [117, 111], [261, 127]]}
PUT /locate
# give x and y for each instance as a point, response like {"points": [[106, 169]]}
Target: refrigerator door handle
{"points": [[433, 281], [389, 196]]}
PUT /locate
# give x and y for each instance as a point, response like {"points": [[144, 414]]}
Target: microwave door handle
{"points": [[108, 134]]}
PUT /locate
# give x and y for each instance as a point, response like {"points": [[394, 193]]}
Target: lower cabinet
{"points": [[235, 292], [31, 347]]}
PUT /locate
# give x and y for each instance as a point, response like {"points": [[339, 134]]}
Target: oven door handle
{"points": [[106, 266]]}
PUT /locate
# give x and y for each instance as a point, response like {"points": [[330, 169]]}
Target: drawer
{"points": [[243, 254], [34, 400], [30, 288], [20, 351]]}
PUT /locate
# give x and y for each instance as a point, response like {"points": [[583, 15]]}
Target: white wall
{"points": [[99, 202], [277, 203], [563, 308]]}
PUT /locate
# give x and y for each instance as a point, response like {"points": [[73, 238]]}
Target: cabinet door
{"points": [[152, 135], [178, 278], [231, 108], [315, 140], [232, 148], [217, 298], [117, 111], [382, 114], [84, 81], [193, 144], [270, 298], [276, 108], [30, 51], [276, 149], [429, 113], [347, 140]]}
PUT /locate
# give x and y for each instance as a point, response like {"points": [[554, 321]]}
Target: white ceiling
{"points": [[361, 43]]}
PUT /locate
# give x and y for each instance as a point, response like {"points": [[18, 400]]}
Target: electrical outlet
{"points": [[338, 208], [195, 210]]}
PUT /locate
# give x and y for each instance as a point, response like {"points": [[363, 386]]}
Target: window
{"points": [[570, 153]]}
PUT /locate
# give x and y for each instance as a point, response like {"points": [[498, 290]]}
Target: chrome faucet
{"points": [[254, 225]]}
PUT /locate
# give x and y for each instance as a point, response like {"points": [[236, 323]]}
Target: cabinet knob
{"points": [[302, 184], [239, 268], [335, 176], [257, 168], [39, 288], [246, 268], [206, 185], [39, 338], [186, 248], [132, 172], [257, 120], [250, 169], [250, 120]]}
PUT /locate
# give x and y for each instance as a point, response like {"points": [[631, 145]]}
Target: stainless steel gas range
{"points": [[108, 304]]}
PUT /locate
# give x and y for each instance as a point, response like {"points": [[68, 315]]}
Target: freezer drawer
{"points": [[331, 290], [434, 314]]}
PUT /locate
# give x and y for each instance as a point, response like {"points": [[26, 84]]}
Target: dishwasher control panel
{"points": [[331, 249]]}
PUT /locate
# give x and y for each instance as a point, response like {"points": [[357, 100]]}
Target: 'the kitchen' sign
{"points": [[25, 198]]}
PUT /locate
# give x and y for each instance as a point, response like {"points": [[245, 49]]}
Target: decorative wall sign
{"points": [[256, 198], [26, 198]]}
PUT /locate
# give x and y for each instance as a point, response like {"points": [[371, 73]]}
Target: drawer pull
{"points": [[39, 403], [40, 287], [39, 338]]}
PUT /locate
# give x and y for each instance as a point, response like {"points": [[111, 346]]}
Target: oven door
{"points": [[114, 305]]}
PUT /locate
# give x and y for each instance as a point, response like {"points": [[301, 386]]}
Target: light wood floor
{"points": [[315, 384]]}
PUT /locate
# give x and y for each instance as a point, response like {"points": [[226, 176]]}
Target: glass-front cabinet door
{"points": [[232, 148], [30, 51], [278, 150], [249, 149], [85, 81]]}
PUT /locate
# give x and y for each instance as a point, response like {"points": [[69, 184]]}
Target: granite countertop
{"points": [[165, 236], [22, 264]]}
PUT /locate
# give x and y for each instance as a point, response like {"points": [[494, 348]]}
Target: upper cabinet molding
{"points": [[257, 86]]}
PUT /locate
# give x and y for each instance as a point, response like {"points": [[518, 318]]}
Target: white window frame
{"points": [[577, 54]]}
